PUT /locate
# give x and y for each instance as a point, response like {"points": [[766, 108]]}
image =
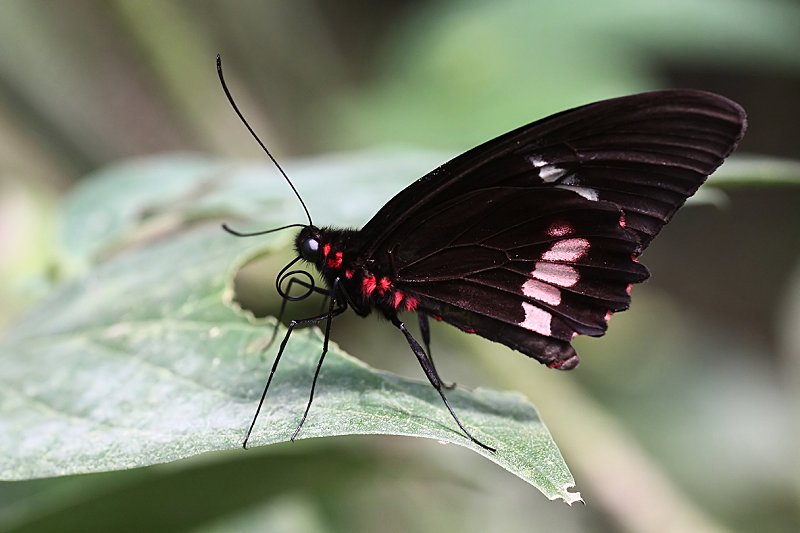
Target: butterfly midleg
{"points": [[425, 330], [430, 372], [305, 284], [332, 312]]}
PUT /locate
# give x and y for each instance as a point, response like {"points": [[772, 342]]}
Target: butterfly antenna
{"points": [[253, 133], [253, 234]]}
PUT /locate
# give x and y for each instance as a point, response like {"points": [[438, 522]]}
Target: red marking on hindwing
{"points": [[398, 299], [348, 274], [608, 316], [335, 261], [469, 330], [437, 318], [555, 364], [622, 222], [628, 288], [635, 257], [326, 249], [368, 285], [411, 304]]}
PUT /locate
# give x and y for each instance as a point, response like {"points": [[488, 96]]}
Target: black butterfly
{"points": [[529, 239]]}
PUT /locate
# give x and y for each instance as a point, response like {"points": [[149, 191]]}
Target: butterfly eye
{"points": [[309, 249]]}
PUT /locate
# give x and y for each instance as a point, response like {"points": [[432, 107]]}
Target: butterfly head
{"points": [[308, 244]]}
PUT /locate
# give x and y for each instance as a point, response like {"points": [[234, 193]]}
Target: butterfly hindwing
{"points": [[557, 271]]}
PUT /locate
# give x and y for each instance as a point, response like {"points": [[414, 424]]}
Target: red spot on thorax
{"points": [[326, 249], [368, 285], [383, 285], [411, 304], [398, 299], [335, 261]]}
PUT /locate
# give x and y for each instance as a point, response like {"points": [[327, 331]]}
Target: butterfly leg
{"points": [[425, 329], [304, 284], [332, 312], [433, 377]]}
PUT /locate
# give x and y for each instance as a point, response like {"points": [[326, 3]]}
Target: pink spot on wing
{"points": [[411, 304], [348, 274], [368, 285], [634, 257], [469, 330], [608, 315], [568, 250], [437, 318], [555, 364], [398, 299], [560, 229], [628, 288], [326, 249], [556, 274], [541, 291], [622, 222], [574, 334], [536, 319]]}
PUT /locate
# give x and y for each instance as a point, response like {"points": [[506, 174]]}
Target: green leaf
{"points": [[746, 171], [750, 171], [142, 359]]}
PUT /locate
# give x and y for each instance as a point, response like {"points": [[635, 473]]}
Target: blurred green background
{"points": [[683, 418]]}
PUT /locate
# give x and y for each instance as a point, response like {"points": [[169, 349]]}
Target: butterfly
{"points": [[529, 239]]}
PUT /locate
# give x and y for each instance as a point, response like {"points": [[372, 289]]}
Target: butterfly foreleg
{"points": [[425, 330], [309, 286], [433, 377], [333, 310]]}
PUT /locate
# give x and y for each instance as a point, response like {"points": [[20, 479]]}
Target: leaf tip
{"points": [[571, 497]]}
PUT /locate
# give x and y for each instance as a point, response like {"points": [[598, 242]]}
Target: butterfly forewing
{"points": [[533, 238], [646, 153]]}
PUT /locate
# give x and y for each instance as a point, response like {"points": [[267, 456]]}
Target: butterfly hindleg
{"points": [[433, 377], [425, 330]]}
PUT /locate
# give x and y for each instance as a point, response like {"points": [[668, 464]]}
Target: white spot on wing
{"points": [[542, 292], [555, 273], [567, 250], [537, 161], [547, 172], [536, 319], [589, 194]]}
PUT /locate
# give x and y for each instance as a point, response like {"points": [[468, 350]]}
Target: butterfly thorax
{"points": [[365, 283]]}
